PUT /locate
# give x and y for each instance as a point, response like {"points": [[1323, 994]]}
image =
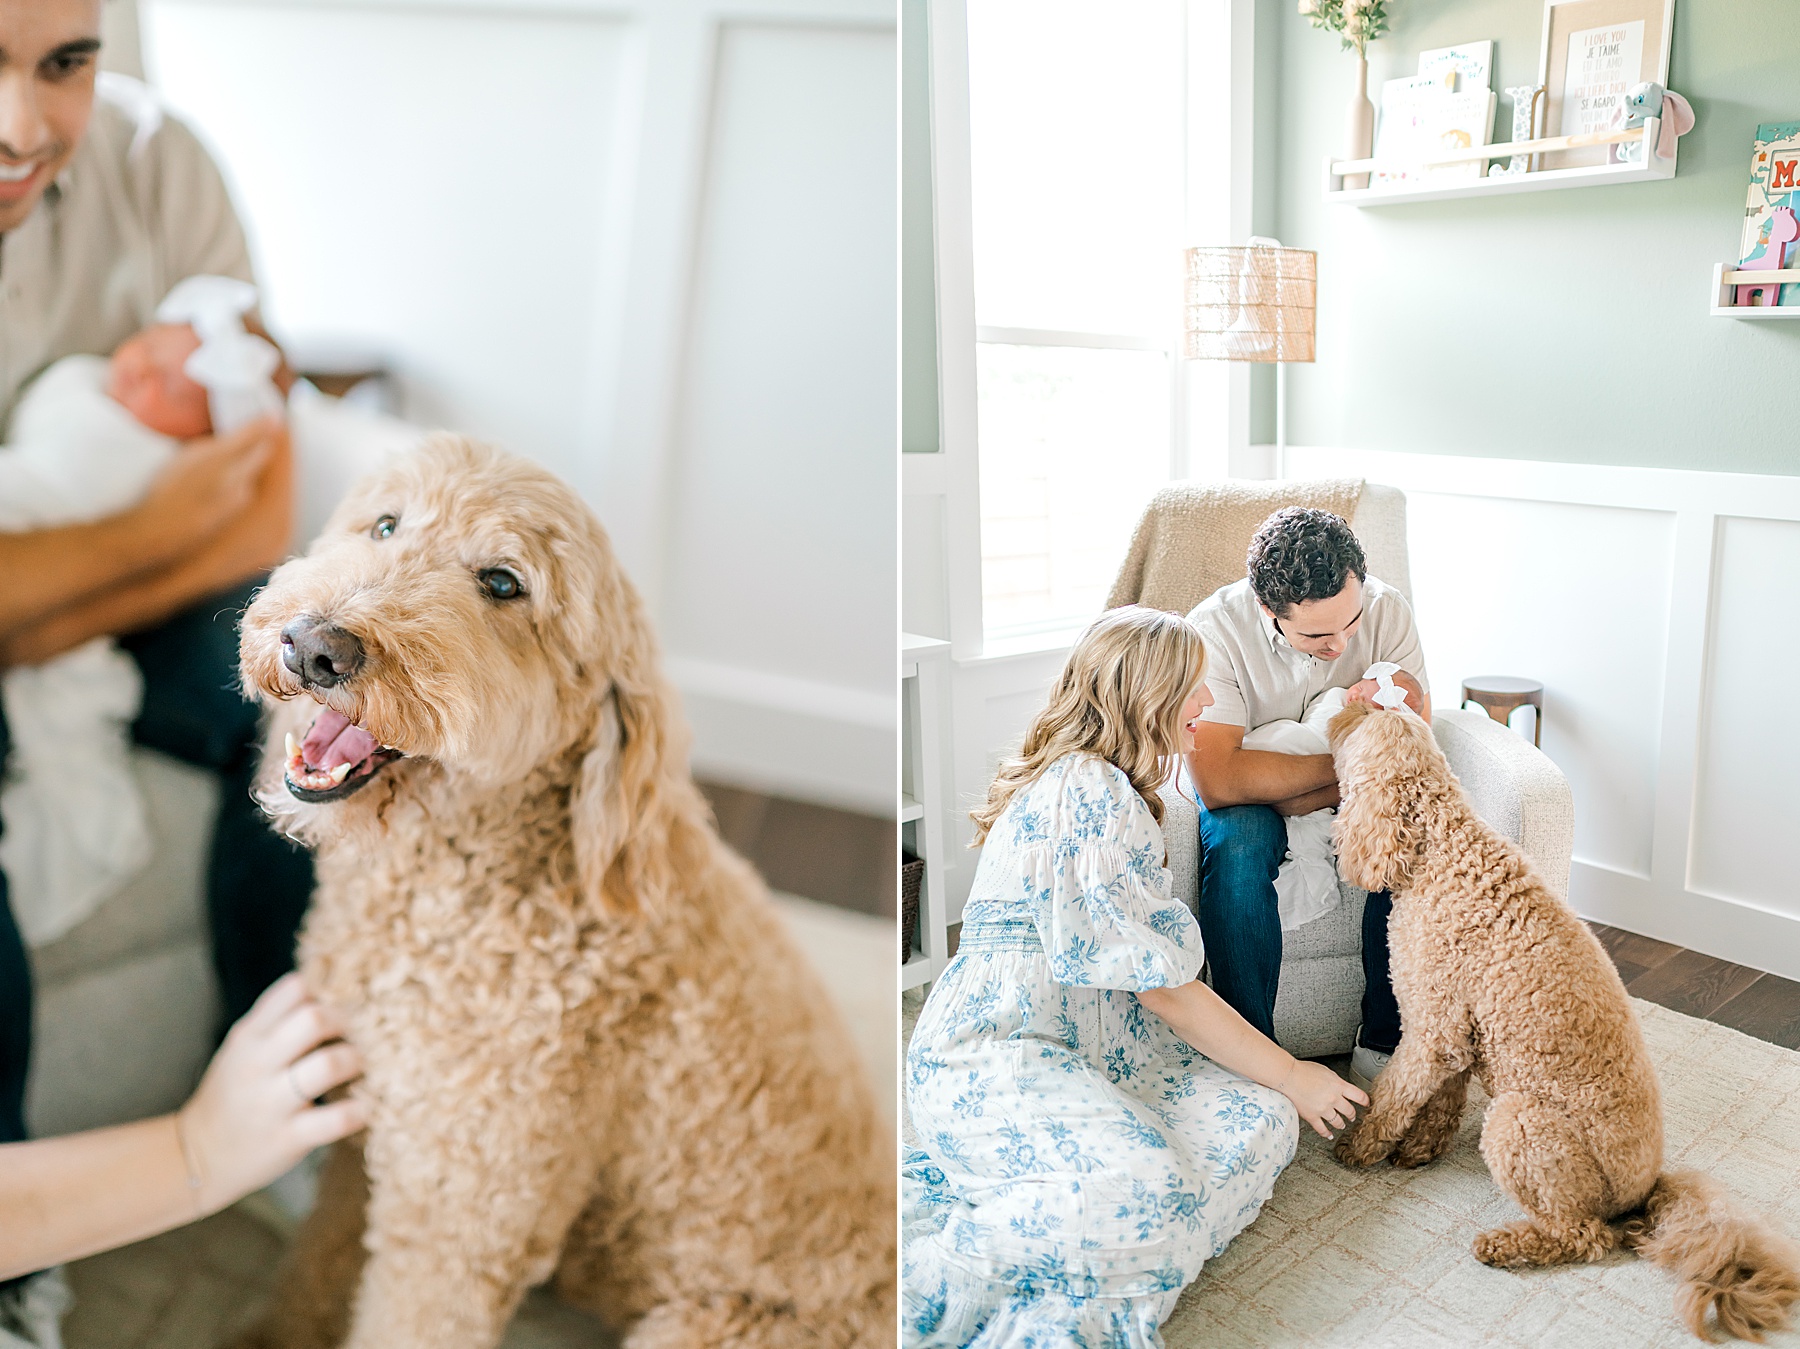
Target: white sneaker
{"points": [[31, 1314], [1366, 1064]]}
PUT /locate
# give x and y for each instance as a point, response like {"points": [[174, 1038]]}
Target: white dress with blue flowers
{"points": [[1077, 1162]]}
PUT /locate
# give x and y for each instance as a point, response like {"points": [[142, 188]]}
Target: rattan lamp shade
{"points": [[1250, 304]]}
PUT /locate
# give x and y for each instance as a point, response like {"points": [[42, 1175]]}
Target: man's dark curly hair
{"points": [[1300, 555]]}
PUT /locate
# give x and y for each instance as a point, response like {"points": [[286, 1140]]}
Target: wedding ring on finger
{"points": [[294, 1082]]}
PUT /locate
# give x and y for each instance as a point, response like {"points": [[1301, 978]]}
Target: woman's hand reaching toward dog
{"points": [[1323, 1099], [254, 1116], [1214, 1027]]}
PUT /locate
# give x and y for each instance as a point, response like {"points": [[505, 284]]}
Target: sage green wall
{"points": [[918, 281], [1564, 325]]}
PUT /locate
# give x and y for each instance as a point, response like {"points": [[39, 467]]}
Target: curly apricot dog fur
{"points": [[592, 1054], [1496, 976]]}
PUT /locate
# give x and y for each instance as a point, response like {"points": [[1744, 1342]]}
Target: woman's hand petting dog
{"points": [[253, 1116], [1323, 1099]]}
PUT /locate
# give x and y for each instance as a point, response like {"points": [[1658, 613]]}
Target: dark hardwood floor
{"points": [[834, 856], [1764, 1005]]}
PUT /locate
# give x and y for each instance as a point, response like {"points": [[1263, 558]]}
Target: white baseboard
{"points": [[808, 740]]}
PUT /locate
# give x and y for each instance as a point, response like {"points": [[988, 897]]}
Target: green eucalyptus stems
{"points": [[1357, 22]]}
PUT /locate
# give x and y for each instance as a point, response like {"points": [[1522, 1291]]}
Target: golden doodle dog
{"points": [[593, 1055], [1496, 976]]}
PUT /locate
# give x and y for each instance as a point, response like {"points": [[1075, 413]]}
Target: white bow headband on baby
{"points": [[233, 366], [1389, 695]]}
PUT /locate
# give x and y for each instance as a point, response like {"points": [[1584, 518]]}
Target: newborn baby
{"points": [[91, 432], [1306, 887], [147, 376]]}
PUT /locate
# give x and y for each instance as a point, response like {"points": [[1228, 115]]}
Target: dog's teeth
{"points": [[293, 747], [339, 773]]}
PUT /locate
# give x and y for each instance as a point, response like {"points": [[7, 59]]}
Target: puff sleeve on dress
{"points": [[1091, 864]]}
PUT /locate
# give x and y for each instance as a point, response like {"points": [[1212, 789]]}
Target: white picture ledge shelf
{"points": [[1726, 280], [1649, 168]]}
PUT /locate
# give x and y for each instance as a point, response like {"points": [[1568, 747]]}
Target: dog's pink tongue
{"points": [[334, 739]]}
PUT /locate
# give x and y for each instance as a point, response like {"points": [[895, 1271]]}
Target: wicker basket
{"points": [[912, 872]]}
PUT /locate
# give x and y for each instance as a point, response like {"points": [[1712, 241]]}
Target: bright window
{"points": [[1077, 115]]}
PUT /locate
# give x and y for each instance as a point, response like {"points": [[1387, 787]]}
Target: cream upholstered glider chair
{"points": [[1513, 786]]}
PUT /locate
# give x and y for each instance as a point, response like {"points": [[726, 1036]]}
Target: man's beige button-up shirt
{"points": [[1256, 677], [139, 207]]}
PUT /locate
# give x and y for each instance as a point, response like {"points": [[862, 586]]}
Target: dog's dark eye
{"points": [[501, 583], [384, 528]]}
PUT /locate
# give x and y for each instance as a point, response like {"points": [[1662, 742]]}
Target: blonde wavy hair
{"points": [[1119, 696]]}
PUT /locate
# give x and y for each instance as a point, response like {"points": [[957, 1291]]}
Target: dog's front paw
{"points": [[1359, 1145], [1423, 1144]]}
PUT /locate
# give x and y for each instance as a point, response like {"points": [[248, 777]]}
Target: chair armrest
{"points": [[1181, 836], [1514, 787]]}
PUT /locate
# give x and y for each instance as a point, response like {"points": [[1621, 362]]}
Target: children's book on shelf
{"points": [[1421, 117], [1774, 186], [1473, 63]]}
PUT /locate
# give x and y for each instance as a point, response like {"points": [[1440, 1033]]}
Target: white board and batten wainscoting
{"points": [[650, 243], [1661, 610]]}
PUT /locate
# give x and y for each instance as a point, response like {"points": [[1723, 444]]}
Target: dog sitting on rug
{"points": [[1496, 976], [593, 1056]]}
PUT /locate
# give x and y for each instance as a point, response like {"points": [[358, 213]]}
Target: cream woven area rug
{"points": [[1381, 1257]]}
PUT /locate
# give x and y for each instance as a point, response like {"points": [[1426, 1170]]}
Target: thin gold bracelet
{"points": [[194, 1179]]}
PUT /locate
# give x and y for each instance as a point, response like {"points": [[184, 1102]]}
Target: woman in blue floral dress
{"points": [[1094, 1123]]}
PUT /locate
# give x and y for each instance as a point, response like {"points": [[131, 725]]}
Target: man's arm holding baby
{"points": [[1227, 774], [220, 513]]}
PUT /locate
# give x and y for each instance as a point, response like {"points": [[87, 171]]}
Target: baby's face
{"points": [[147, 379]]}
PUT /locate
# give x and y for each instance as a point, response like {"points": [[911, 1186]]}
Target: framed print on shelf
{"points": [[1595, 50]]}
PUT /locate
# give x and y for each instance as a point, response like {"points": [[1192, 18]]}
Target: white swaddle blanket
{"points": [[1306, 887], [75, 823]]}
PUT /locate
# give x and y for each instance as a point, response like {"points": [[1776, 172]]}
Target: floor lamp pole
{"points": [[1281, 419]]}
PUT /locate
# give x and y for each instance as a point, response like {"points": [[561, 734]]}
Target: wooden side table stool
{"points": [[1498, 695], [340, 368]]}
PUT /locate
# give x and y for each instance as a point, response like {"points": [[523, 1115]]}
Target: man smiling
{"points": [[105, 203], [1307, 618]]}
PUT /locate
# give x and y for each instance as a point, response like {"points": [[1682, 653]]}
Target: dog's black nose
{"points": [[320, 653]]}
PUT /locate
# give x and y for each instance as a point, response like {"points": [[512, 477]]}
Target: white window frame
{"points": [[1226, 69]]}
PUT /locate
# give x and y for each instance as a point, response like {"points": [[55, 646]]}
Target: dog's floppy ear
{"points": [[1380, 828], [1340, 726], [623, 801]]}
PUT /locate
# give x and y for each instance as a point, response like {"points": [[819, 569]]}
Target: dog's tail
{"points": [[1728, 1261]]}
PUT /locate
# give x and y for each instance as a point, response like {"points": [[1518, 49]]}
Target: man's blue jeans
{"points": [[1241, 849]]}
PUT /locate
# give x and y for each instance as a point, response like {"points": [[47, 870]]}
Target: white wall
{"points": [[1656, 607], [650, 243], [1484, 327]]}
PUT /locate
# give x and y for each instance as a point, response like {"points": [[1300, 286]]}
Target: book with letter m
{"points": [[1774, 187]]}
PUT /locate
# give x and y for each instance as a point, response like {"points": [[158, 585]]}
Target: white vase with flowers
{"points": [[1357, 23]]}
